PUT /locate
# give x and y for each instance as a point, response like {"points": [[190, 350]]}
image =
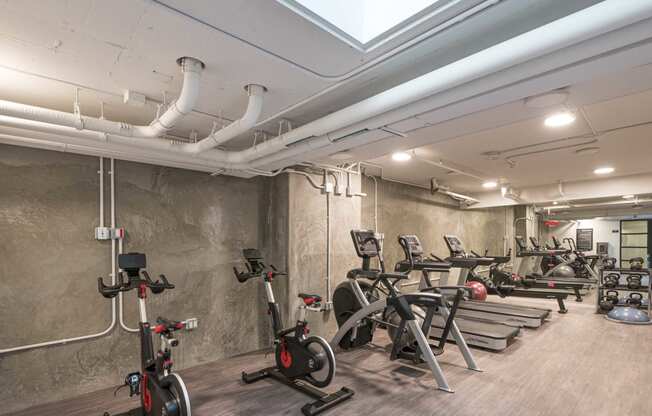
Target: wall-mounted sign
{"points": [[584, 239]]}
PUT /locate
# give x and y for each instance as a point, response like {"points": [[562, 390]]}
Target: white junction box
{"points": [[102, 233]]}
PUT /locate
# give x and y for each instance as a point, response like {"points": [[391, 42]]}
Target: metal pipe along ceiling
{"points": [[384, 108]]}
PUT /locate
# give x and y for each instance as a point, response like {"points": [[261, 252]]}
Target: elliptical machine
{"points": [[162, 392], [299, 358]]}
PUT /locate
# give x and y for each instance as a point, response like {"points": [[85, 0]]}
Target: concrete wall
{"points": [[404, 209], [307, 245], [191, 226]]}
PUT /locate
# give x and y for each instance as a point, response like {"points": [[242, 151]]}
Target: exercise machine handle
{"points": [[159, 285], [111, 291]]}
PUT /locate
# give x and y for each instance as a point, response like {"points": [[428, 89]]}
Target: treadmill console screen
{"points": [[520, 242], [364, 244], [455, 245], [414, 245]]}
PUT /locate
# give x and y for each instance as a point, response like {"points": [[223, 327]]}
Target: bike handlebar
{"points": [[111, 291]]}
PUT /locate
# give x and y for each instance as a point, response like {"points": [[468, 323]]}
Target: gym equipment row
{"points": [[624, 294]]}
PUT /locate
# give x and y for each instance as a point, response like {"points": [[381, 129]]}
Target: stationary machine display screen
{"points": [[364, 244], [454, 245], [414, 245], [520, 242]]}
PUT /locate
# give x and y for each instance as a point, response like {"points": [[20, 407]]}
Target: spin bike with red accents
{"points": [[303, 362], [162, 392]]}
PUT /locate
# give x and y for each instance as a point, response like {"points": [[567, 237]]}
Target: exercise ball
{"points": [[478, 290]]}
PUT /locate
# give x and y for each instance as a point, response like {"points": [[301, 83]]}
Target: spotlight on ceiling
{"points": [[629, 196], [559, 119], [401, 157], [604, 170], [489, 184], [555, 203]]}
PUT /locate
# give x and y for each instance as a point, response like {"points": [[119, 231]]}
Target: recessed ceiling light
{"points": [[490, 184], [560, 119], [555, 203], [628, 196], [604, 170], [401, 157]]}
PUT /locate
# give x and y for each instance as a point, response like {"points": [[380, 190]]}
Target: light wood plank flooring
{"points": [[576, 364]]}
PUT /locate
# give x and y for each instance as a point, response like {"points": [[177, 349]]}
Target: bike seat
{"points": [[310, 299]]}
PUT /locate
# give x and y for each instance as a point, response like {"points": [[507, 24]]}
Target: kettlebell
{"points": [[636, 263], [634, 281], [611, 280], [635, 300], [609, 263], [612, 296], [605, 304]]}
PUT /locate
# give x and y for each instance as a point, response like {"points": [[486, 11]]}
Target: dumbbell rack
{"points": [[623, 288]]}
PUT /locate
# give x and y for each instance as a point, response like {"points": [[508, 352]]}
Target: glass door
{"points": [[633, 241]]}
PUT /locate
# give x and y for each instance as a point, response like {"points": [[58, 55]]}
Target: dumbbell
{"points": [[611, 280], [634, 281], [635, 300]]}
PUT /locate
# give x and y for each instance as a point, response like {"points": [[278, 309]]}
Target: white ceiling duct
{"points": [[183, 105], [343, 127]]}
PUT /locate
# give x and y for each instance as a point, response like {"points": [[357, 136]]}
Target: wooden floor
{"points": [[576, 364]]}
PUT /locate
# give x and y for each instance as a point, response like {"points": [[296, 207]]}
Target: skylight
{"points": [[360, 22]]}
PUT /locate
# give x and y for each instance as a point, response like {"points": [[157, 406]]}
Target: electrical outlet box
{"points": [[102, 233], [328, 188], [191, 323]]}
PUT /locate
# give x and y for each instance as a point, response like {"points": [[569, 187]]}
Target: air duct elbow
{"points": [[183, 105], [238, 127]]}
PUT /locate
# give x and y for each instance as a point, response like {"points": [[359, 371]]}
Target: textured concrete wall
{"points": [[404, 209], [307, 245], [191, 226]]}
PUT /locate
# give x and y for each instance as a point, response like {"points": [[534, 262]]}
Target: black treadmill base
{"points": [[324, 400]]}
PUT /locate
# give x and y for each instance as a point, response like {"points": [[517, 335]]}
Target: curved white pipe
{"points": [[183, 105], [240, 126]]}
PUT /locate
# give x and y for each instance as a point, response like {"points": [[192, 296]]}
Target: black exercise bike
{"points": [[162, 392], [299, 358]]}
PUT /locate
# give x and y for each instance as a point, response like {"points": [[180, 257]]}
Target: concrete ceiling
{"points": [[522, 150], [51, 47]]}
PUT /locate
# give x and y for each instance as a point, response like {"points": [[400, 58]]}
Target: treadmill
{"points": [[458, 253], [477, 331]]}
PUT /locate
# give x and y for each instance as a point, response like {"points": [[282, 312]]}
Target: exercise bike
{"points": [[162, 392], [299, 358]]}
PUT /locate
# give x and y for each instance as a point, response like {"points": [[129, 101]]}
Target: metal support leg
{"points": [[460, 341], [429, 357]]}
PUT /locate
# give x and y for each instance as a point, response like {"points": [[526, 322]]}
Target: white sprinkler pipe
{"points": [[191, 68], [238, 127]]}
